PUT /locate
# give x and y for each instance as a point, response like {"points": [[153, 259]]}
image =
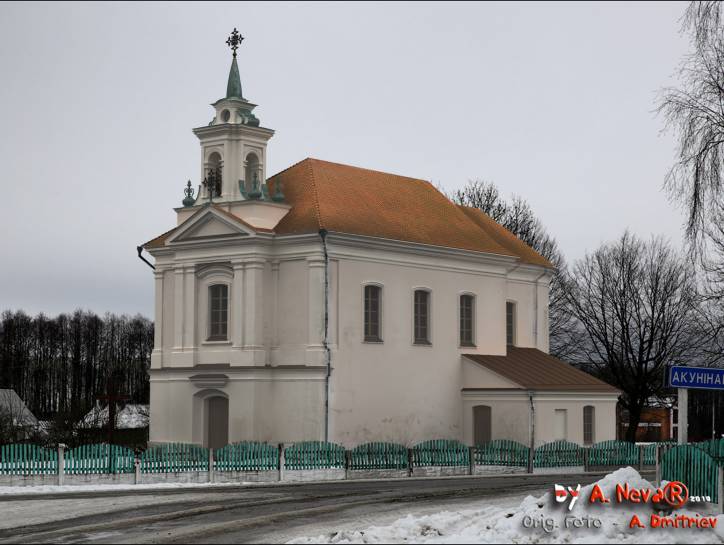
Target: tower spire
{"points": [[233, 87]]}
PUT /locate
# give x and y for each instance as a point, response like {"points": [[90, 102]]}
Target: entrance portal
{"points": [[217, 422], [481, 424]]}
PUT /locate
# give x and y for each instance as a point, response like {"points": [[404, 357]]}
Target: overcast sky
{"points": [[551, 101]]}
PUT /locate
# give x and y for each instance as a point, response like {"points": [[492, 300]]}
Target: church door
{"points": [[481, 424], [217, 424]]}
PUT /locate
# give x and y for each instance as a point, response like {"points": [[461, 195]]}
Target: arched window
{"points": [[251, 170], [218, 312], [372, 314], [467, 320], [214, 172], [510, 323], [421, 317], [589, 424]]}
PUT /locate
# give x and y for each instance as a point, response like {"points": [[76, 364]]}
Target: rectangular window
{"points": [[560, 424], [467, 312], [589, 424], [372, 314], [422, 317], [510, 323], [218, 312]]}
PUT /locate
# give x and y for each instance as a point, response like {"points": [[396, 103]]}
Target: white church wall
{"points": [[396, 390], [509, 415], [573, 403]]}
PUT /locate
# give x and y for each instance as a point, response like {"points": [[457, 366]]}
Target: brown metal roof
{"points": [[536, 370]]}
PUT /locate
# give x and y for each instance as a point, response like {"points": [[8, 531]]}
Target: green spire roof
{"points": [[233, 88]]}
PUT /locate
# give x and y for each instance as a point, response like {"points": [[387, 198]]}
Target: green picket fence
{"points": [[714, 448], [692, 466], [558, 454], [502, 452], [175, 457], [440, 452], [99, 458], [613, 453], [24, 459], [314, 455], [247, 456], [378, 456]]}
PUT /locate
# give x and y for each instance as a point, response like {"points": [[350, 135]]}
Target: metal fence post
{"points": [[531, 454], [211, 465], [347, 463], [720, 490], [61, 463], [137, 470], [471, 460], [658, 464], [586, 459], [409, 462], [641, 458], [281, 461]]}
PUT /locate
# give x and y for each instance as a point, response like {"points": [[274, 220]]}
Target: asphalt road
{"points": [[252, 514]]}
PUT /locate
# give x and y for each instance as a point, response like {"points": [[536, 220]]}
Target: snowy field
{"points": [[491, 523]]}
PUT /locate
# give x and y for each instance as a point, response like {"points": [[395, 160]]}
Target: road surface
{"points": [[250, 514]]}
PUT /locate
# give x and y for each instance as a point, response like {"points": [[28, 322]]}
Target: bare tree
{"points": [[695, 111], [518, 217], [637, 306]]}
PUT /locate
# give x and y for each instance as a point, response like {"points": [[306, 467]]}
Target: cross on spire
{"points": [[234, 41]]}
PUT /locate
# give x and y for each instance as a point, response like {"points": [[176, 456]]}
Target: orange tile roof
{"points": [[352, 200], [346, 199]]}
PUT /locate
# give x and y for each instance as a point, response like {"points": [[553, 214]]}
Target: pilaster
{"points": [[315, 321], [157, 354]]}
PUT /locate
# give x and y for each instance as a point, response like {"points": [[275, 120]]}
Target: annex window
{"points": [[560, 424], [510, 323], [373, 331], [422, 317], [589, 424], [218, 312], [467, 320]]}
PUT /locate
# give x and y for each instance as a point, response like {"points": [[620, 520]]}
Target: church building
{"points": [[334, 302]]}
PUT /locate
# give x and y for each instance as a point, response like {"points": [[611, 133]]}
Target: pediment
{"points": [[477, 376], [209, 224]]}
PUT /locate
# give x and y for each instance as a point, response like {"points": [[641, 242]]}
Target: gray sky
{"points": [[551, 101]]}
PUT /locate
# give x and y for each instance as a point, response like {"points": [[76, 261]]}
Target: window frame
{"points": [[427, 341], [592, 439], [514, 329], [210, 337], [464, 343], [379, 338]]}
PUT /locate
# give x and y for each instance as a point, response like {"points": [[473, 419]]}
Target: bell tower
{"points": [[233, 146]]}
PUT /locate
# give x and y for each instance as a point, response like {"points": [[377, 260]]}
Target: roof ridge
{"points": [[290, 167], [370, 170], [317, 207]]}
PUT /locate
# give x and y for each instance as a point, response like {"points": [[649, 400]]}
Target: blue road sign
{"points": [[699, 378]]}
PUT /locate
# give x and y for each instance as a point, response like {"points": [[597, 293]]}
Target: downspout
{"points": [[146, 261], [325, 338], [531, 425]]}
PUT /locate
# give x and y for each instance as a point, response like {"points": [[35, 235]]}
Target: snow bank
{"points": [[490, 524]]}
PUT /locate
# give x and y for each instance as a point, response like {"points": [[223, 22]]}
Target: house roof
{"points": [[536, 370], [352, 200], [13, 405]]}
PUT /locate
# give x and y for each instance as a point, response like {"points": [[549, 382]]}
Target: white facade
{"points": [[294, 364]]}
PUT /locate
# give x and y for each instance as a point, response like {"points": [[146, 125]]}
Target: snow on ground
{"points": [[16, 513], [492, 523], [82, 488]]}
